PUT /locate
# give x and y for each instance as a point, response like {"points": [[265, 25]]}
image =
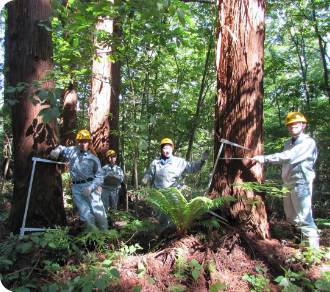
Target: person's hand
{"points": [[86, 191], [54, 154], [144, 181], [205, 155], [260, 158]]}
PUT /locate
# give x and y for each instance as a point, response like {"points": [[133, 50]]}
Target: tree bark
{"points": [[28, 55], [238, 109], [104, 101], [68, 127]]}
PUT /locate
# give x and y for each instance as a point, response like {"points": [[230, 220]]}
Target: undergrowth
{"points": [[85, 262]]}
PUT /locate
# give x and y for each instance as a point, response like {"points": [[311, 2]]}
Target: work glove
{"points": [[86, 191], [260, 158], [54, 154], [205, 155], [144, 181]]}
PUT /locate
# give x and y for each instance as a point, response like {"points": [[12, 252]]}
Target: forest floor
{"points": [[232, 253], [226, 257]]}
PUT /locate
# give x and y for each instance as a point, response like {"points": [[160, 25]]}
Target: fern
{"points": [[181, 212], [181, 265]]}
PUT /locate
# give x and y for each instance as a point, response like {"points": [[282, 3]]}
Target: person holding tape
{"points": [[297, 159]]}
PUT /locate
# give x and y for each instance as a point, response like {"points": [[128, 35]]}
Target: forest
{"points": [[216, 75]]}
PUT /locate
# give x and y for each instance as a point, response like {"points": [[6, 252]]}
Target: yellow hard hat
{"points": [[110, 152], [83, 135], [295, 117], [167, 141]]}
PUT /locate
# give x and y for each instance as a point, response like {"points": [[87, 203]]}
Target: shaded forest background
{"points": [[162, 57]]}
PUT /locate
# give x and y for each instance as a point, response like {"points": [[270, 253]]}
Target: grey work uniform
{"points": [[297, 161], [110, 193], [166, 174], [85, 170]]}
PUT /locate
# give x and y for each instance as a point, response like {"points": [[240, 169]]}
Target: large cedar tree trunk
{"points": [[104, 100], [238, 110], [68, 127], [28, 55]]}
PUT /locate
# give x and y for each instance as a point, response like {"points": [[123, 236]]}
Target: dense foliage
{"points": [[167, 58]]}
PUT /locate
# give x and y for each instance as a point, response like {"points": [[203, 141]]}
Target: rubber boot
{"points": [[314, 241], [297, 235]]}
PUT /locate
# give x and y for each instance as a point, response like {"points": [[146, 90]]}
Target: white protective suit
{"points": [[297, 161], [169, 175], [85, 170], [110, 193]]}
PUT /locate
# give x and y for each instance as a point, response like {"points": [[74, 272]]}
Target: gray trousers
{"points": [[91, 208]]}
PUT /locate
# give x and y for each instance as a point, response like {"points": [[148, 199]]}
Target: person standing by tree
{"points": [[86, 175], [166, 172], [113, 177], [297, 159]]}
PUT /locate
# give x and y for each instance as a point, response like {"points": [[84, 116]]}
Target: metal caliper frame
{"points": [[223, 141], [23, 228]]}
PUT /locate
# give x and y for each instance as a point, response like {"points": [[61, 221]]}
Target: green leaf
{"points": [[151, 281], [100, 284], [143, 144], [55, 112], [43, 243], [195, 274], [180, 13], [42, 95], [6, 262], [162, 41], [11, 90], [26, 246], [182, 21], [34, 101], [46, 117], [166, 4], [217, 287], [172, 10], [52, 245], [115, 273], [35, 239], [106, 263], [87, 288], [132, 249], [137, 289], [75, 43], [176, 288], [53, 288], [141, 270]]}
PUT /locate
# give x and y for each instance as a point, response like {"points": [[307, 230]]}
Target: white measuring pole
{"points": [[23, 229]]}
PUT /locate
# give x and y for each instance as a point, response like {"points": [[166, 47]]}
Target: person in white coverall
{"points": [[166, 172], [113, 177], [86, 174], [297, 159]]}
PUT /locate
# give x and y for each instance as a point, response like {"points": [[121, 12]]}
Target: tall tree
{"points": [[104, 100], [68, 126], [28, 57], [238, 110]]}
